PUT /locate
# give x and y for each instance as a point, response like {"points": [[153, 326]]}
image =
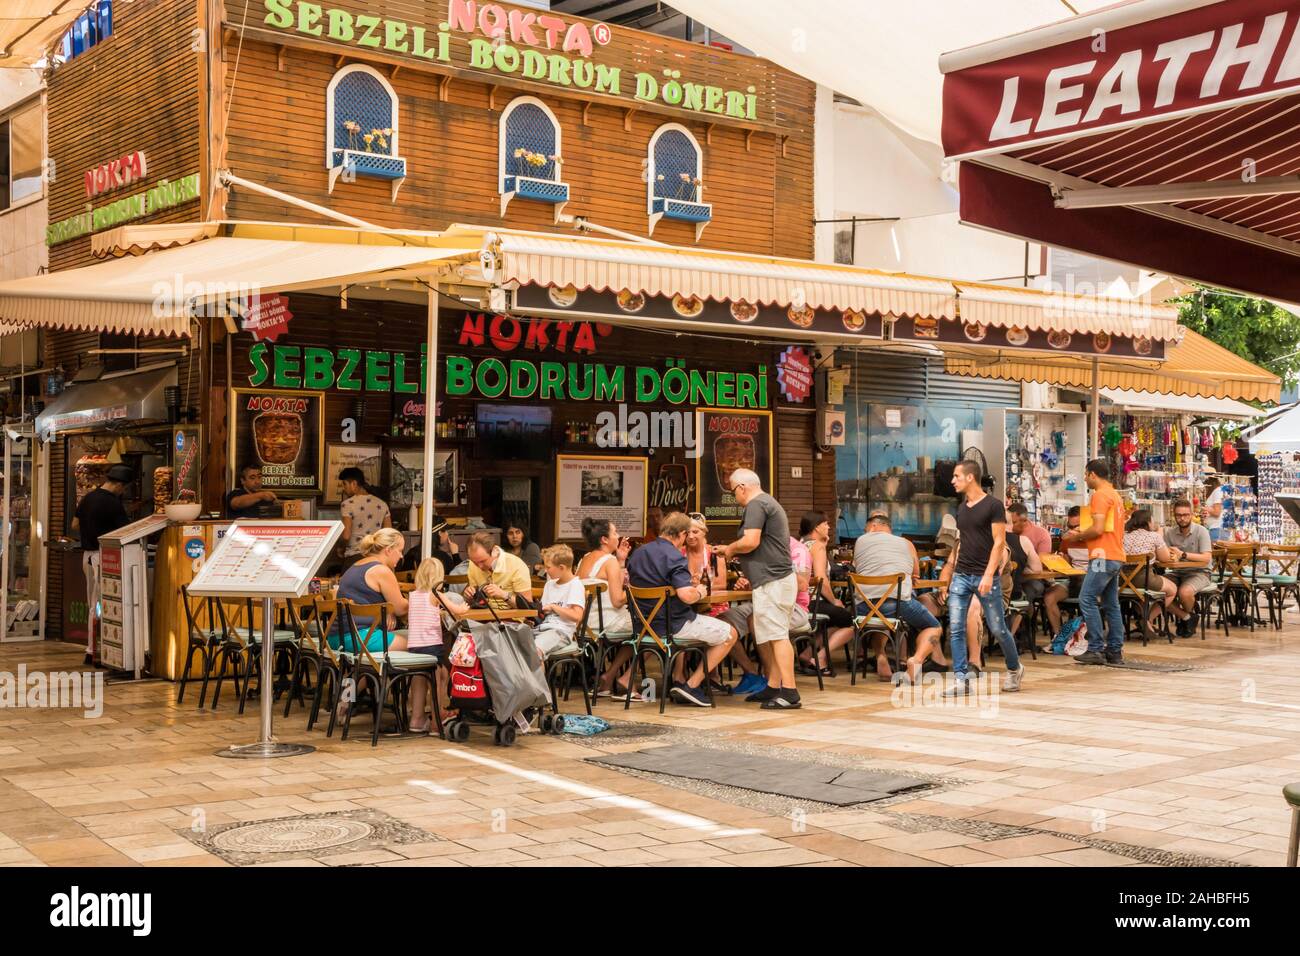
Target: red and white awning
{"points": [[1165, 133]]}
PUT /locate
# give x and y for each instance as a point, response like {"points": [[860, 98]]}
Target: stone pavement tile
{"points": [[686, 851], [547, 851], [18, 855], [1226, 851], [854, 851], [1026, 846], [692, 863], [72, 851], [489, 857], [630, 857], [956, 855], [621, 841], [1018, 861], [929, 840], [428, 861], [1011, 818], [1199, 831], [1090, 856], [835, 863], [188, 861], [423, 851], [295, 862], [865, 831], [495, 841], [559, 861], [786, 856], [166, 851], [1139, 821], [1263, 858]]}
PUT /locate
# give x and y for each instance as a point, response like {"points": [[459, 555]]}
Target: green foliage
{"points": [[1255, 329]]}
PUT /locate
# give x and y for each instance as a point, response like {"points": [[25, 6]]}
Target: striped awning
{"points": [[156, 293], [1195, 366], [1031, 309]]}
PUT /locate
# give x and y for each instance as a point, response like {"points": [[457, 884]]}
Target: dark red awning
{"points": [[1164, 133]]}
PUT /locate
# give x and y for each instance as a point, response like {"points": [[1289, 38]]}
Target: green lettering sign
{"points": [[286, 372]]}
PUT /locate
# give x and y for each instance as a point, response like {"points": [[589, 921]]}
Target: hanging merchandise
{"points": [[1071, 483], [1050, 458], [1058, 441], [1229, 453], [1112, 436]]}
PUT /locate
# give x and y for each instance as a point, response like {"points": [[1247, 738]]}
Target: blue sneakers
{"points": [[751, 683]]}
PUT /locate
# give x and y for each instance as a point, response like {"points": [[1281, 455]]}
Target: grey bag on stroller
{"points": [[511, 666]]}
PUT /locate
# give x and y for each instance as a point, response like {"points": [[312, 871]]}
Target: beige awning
{"points": [[1087, 314], [30, 27], [610, 265], [155, 293], [1195, 366]]}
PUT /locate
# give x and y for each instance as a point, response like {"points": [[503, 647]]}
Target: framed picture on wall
{"points": [[404, 477], [600, 487], [339, 455], [281, 432]]}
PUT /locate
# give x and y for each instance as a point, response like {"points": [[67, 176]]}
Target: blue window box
{"points": [[374, 165], [538, 190], [683, 210]]}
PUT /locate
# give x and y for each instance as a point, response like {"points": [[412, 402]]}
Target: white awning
{"points": [[610, 265], [1209, 407], [155, 293], [1282, 435]]}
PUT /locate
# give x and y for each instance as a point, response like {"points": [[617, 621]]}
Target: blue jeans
{"points": [[960, 591], [1101, 583]]}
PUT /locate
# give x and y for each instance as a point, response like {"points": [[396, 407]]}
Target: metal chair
{"points": [[204, 641], [807, 635], [1135, 597], [1284, 582], [1240, 584], [243, 655], [388, 674]]}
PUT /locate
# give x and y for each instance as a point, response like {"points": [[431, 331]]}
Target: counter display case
{"points": [[20, 577]]}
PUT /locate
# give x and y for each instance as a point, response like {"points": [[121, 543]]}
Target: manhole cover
{"points": [[631, 731], [291, 836]]}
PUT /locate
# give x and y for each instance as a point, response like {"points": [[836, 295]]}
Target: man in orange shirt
{"points": [[1101, 532]]}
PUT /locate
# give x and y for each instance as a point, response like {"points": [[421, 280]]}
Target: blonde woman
{"points": [[372, 581], [424, 635]]}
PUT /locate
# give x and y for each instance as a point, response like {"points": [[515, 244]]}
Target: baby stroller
{"points": [[496, 673]]}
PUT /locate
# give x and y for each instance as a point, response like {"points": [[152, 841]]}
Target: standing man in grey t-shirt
{"points": [[763, 549]]}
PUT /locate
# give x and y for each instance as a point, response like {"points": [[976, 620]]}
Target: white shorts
{"points": [[773, 605], [704, 630], [618, 620]]}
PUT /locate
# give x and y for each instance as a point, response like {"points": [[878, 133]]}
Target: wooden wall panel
{"points": [[276, 136]]}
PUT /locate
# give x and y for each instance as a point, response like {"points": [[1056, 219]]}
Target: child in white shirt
{"points": [[563, 599]]}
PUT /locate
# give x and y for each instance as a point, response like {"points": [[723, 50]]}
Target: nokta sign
{"points": [[1183, 63], [518, 44], [116, 173]]}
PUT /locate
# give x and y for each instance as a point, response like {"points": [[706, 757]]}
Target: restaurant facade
{"points": [[415, 116]]}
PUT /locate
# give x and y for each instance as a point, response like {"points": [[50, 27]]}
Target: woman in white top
{"points": [[603, 564], [1141, 537]]}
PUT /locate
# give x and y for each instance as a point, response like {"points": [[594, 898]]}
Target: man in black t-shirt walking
{"points": [[100, 512], [974, 570]]}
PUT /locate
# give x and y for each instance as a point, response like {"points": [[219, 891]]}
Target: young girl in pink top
{"points": [[424, 635]]}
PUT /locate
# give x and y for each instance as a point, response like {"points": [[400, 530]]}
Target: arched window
{"points": [[675, 184], [361, 127], [530, 161]]}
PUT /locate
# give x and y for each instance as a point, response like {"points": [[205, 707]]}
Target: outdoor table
{"points": [[484, 614], [725, 597], [1052, 575], [928, 584], [1184, 565]]}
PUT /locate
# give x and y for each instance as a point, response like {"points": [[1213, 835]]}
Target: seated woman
{"points": [[424, 635], [707, 564], [815, 533], [603, 564], [1140, 538], [372, 581], [517, 543]]}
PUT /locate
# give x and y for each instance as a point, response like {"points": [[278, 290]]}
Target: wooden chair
{"points": [[1285, 580], [874, 620], [666, 649], [303, 615], [404, 577], [1135, 597], [388, 674], [329, 665], [1240, 584], [204, 640]]}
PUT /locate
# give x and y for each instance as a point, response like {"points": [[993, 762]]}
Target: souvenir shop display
{"points": [[1279, 472], [1036, 451], [1240, 513]]}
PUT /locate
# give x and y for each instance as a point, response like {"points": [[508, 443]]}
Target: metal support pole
{"points": [[430, 423], [266, 745], [1094, 413]]}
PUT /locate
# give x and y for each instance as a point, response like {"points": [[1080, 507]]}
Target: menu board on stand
{"points": [[266, 560]]}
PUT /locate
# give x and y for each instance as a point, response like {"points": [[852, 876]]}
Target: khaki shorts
{"points": [[773, 605], [703, 629]]}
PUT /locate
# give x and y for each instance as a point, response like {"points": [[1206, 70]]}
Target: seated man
{"points": [[661, 564], [1188, 542], [1041, 540], [500, 576], [878, 553]]}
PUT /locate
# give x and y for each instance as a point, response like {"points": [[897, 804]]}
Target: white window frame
{"points": [[329, 108], [650, 160], [502, 171], [37, 101]]}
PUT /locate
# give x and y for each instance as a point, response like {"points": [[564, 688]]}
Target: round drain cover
{"points": [[291, 836]]}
